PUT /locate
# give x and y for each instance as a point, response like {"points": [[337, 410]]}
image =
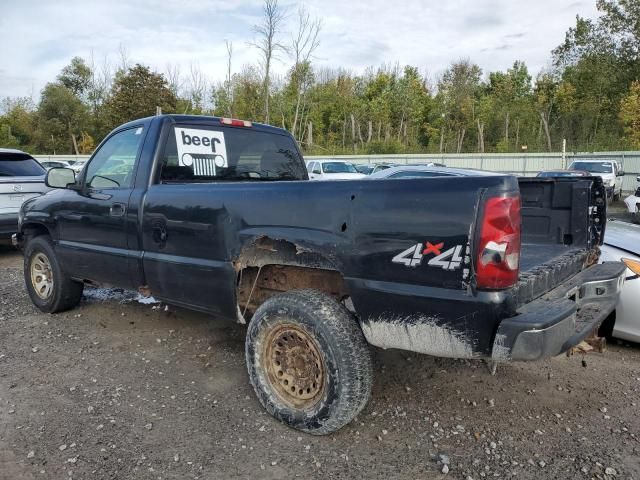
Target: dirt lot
{"points": [[116, 389]]}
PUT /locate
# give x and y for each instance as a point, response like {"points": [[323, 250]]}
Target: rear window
{"points": [[200, 154], [19, 165]]}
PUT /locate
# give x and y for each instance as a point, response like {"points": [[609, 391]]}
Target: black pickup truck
{"points": [[218, 215]]}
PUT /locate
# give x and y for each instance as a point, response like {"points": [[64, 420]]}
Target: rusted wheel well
{"points": [[268, 267]]}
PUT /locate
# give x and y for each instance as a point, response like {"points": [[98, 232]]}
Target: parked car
{"points": [[424, 171], [55, 164], [622, 243], [214, 215], [563, 173], [609, 170], [332, 170], [427, 164], [77, 165], [370, 168], [633, 203], [21, 178]]}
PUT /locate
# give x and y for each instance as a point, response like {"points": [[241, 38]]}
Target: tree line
{"points": [[590, 96]]}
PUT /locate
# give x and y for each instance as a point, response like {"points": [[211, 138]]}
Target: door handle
{"points": [[117, 210], [159, 234]]}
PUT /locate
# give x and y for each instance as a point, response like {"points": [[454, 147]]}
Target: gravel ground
{"points": [[116, 389]]}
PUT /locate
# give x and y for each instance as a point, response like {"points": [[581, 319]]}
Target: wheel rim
{"points": [[295, 366], [41, 275]]}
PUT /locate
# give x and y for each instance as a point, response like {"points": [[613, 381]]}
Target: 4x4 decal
{"points": [[450, 259]]}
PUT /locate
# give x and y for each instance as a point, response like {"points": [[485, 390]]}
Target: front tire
{"points": [[50, 289], [308, 361]]}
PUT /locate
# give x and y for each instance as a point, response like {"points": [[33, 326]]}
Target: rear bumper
{"points": [[8, 225], [562, 318]]}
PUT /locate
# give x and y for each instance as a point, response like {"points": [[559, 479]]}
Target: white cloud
{"points": [[40, 37]]}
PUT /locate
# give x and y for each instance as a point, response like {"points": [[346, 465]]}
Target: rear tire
{"points": [[50, 289], [308, 361]]}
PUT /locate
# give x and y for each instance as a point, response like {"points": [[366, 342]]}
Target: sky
{"points": [[39, 37]]}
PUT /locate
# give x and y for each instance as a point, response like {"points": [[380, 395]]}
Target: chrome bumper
{"points": [[563, 317]]}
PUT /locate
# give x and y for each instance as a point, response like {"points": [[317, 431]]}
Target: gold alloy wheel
{"points": [[294, 365], [41, 275]]}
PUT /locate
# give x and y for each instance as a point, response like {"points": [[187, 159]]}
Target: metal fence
{"points": [[527, 164], [518, 164]]}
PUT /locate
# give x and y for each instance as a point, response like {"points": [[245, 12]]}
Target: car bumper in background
{"points": [[563, 317], [8, 225]]}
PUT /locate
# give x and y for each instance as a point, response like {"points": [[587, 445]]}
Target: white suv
{"points": [[21, 178], [609, 170]]}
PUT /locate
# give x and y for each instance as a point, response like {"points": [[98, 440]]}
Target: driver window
{"points": [[316, 168], [113, 165]]}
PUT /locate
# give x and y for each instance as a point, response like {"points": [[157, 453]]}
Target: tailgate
{"points": [[563, 222]]}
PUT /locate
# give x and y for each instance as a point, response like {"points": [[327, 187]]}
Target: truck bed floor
{"points": [[535, 254]]}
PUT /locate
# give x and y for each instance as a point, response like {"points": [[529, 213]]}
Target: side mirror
{"points": [[620, 173], [638, 178], [59, 177]]}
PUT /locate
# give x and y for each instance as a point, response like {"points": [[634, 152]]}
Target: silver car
{"points": [[21, 178], [622, 242]]}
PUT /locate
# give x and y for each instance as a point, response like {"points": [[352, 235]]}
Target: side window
{"points": [[208, 153], [310, 167], [317, 168], [112, 166]]}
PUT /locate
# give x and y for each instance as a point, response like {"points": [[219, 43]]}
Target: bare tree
{"points": [[125, 63], [303, 44], [268, 45], [228, 86], [174, 80], [196, 89]]}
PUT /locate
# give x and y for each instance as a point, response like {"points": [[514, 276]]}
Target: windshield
{"points": [[338, 167], [593, 167], [365, 169], [19, 165]]}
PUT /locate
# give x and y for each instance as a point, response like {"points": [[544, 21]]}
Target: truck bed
{"points": [[558, 240]]}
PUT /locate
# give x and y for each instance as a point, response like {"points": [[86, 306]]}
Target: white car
{"points": [[633, 203], [609, 170], [332, 170], [622, 242], [48, 164], [21, 178], [77, 165]]}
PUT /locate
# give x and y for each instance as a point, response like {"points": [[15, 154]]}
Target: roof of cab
{"points": [[202, 119]]}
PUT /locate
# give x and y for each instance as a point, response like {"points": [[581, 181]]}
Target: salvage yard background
{"points": [[526, 164], [117, 389]]}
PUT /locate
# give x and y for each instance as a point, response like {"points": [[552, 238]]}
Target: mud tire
{"points": [[345, 353]]}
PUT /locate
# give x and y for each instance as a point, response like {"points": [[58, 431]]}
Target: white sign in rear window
{"points": [[202, 150]]}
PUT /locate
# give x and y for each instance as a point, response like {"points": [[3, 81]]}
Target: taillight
{"points": [[499, 247], [235, 122]]}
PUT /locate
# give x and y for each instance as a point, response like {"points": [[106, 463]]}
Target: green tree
{"points": [[76, 77], [456, 93], [630, 115], [61, 119], [138, 93]]}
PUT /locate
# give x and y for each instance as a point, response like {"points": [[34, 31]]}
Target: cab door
{"points": [[93, 221]]}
